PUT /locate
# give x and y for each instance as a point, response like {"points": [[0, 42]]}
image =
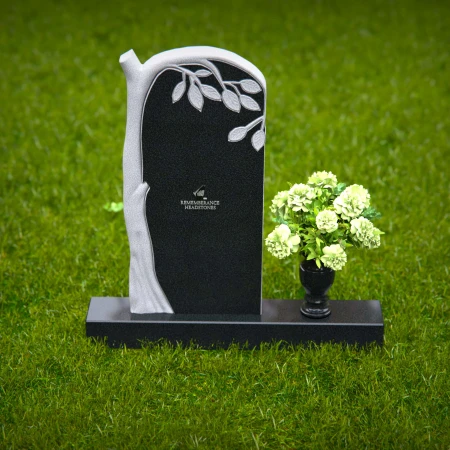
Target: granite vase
{"points": [[317, 282]]}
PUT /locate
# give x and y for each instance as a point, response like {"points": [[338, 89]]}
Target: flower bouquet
{"points": [[320, 220]]}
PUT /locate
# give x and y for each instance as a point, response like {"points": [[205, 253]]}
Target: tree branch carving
{"points": [[233, 96]]}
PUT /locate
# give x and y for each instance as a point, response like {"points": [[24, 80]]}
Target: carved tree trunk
{"points": [[146, 295]]}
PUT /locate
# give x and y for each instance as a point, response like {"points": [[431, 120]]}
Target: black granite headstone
{"points": [[204, 208], [194, 182]]}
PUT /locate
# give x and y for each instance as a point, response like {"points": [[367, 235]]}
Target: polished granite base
{"points": [[351, 321]]}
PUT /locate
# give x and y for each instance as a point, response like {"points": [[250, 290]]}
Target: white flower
{"points": [[300, 197], [281, 243], [334, 257], [323, 179], [327, 221], [279, 203], [352, 202], [364, 232]]}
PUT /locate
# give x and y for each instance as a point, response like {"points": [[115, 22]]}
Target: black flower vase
{"points": [[317, 283]]}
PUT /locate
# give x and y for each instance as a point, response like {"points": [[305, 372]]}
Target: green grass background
{"points": [[358, 88]]}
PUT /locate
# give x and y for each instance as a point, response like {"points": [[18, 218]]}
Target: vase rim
{"points": [[311, 265]]}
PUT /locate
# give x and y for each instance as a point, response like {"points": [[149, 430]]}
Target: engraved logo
{"points": [[203, 204], [200, 192]]}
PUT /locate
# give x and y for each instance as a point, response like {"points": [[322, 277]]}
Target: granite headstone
{"points": [[193, 182], [193, 167]]}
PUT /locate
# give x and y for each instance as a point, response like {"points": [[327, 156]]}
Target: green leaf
{"points": [[318, 263], [113, 206], [339, 188], [371, 213]]}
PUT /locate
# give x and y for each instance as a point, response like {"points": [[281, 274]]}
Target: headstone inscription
{"points": [[193, 182]]}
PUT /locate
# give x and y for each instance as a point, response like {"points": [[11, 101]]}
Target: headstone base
{"points": [[351, 322]]}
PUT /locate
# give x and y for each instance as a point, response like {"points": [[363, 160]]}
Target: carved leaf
{"points": [[211, 92], [203, 73], [231, 100], [195, 97], [258, 140], [237, 134], [250, 86], [178, 91], [249, 103]]}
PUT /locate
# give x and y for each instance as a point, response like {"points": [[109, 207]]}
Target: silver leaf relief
{"points": [[249, 103], [250, 86], [203, 73], [195, 97], [231, 96], [211, 92], [178, 91], [231, 100], [258, 140], [237, 134]]}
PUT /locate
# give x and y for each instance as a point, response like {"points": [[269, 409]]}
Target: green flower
{"points": [[334, 257], [279, 203], [327, 221], [352, 202], [364, 232], [300, 197], [323, 179], [281, 243]]}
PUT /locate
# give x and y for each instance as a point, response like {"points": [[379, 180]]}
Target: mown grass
{"points": [[358, 89]]}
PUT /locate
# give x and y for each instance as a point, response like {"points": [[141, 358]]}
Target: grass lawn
{"points": [[358, 88]]}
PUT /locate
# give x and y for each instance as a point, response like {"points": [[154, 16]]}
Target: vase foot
{"points": [[314, 312]]}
